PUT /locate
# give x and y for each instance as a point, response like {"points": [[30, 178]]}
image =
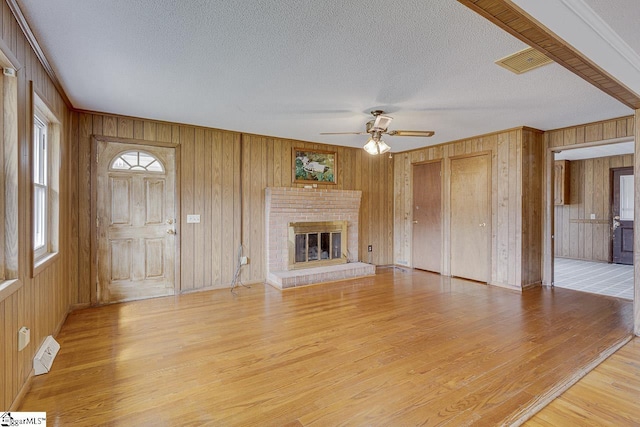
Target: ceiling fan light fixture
{"points": [[371, 147], [383, 147], [376, 146], [378, 127]]}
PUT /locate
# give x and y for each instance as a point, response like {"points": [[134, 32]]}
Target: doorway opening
{"points": [[593, 219]]}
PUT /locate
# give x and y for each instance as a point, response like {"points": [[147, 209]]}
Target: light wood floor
{"points": [[607, 396], [402, 348]]}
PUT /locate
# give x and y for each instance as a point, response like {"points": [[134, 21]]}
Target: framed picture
{"points": [[314, 166]]}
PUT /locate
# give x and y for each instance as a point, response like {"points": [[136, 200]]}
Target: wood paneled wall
{"points": [[515, 235], [42, 302], [532, 209], [268, 163], [590, 133], [208, 163], [576, 136], [222, 177], [577, 235], [210, 187]]}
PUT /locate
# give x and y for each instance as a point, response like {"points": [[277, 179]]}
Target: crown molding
{"points": [[31, 38], [604, 31]]}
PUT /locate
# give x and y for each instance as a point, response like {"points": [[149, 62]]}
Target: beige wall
{"points": [[516, 181], [577, 235]]}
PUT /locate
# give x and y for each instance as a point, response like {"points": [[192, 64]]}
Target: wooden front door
{"points": [[622, 215], [427, 216], [135, 223], [471, 217]]}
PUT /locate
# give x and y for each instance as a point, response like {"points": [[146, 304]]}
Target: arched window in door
{"points": [[136, 161]]}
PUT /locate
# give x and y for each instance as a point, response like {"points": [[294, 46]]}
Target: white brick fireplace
{"points": [[285, 205]]}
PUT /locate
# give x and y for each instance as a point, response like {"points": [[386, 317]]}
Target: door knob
{"points": [[169, 221], [617, 217], [171, 231], [415, 221]]}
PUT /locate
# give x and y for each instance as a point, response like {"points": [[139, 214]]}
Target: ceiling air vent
{"points": [[523, 61]]}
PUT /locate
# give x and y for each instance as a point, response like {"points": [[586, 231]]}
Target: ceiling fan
{"points": [[378, 127]]}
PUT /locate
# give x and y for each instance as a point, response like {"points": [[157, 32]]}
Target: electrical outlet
{"points": [[370, 248]]}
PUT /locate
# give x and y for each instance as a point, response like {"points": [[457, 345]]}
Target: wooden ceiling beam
{"points": [[521, 25]]}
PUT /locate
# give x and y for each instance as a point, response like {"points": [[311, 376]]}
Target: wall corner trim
{"points": [[31, 38]]}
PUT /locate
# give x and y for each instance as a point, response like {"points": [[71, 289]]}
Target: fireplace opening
{"points": [[314, 244]]}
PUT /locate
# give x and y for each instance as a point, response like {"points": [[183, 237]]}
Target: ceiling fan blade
{"points": [[344, 133], [382, 122], [425, 133]]}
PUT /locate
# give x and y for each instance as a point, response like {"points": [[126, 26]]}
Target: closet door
{"points": [[427, 216], [471, 217]]}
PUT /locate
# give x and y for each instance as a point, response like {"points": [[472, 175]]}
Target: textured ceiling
{"points": [[623, 16], [295, 68]]}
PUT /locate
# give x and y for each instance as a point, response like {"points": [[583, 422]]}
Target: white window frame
{"points": [[41, 209], [45, 184]]}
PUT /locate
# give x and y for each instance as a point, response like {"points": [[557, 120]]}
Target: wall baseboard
{"points": [[213, 288], [79, 306], [26, 386], [531, 286], [506, 286], [15, 405]]}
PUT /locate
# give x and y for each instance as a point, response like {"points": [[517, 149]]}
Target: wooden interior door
{"points": [[135, 224], [471, 217], [622, 215], [427, 216]]}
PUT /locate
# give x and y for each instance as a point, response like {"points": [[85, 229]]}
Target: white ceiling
{"points": [[623, 16], [296, 68]]}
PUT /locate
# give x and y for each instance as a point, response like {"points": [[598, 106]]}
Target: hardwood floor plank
{"points": [[608, 395], [400, 348]]}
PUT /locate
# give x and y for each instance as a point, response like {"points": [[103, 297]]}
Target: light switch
{"points": [[24, 336], [593, 216], [193, 219]]}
